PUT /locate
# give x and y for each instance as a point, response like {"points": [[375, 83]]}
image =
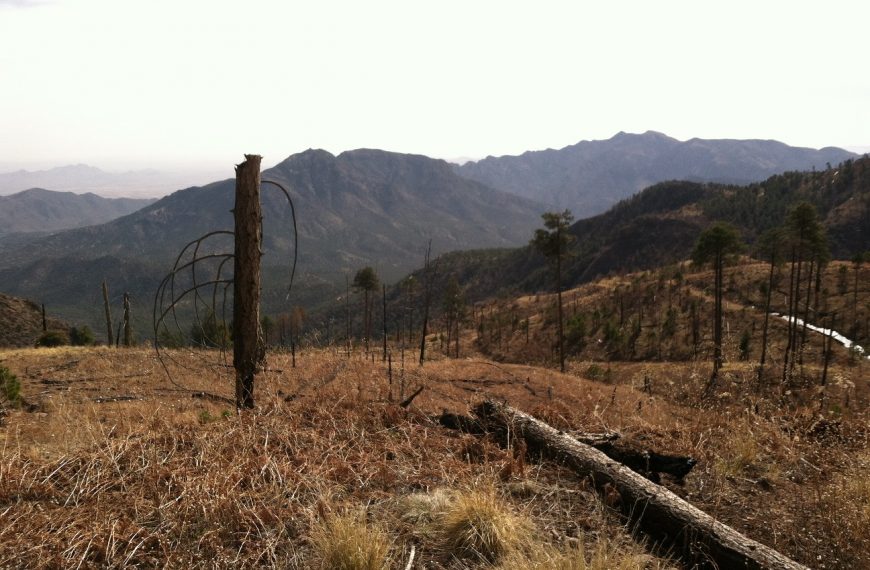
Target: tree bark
{"points": [[248, 347], [428, 300], [384, 355], [690, 533], [766, 323], [128, 329], [109, 337], [559, 297]]}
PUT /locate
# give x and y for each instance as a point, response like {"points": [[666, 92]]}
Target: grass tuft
{"points": [[478, 525], [604, 555], [346, 542]]}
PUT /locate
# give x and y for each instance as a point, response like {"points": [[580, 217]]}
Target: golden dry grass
{"points": [[478, 525], [165, 479], [347, 542]]}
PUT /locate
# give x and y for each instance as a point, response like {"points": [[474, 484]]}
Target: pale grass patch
{"points": [[477, 524], [856, 493], [347, 542], [604, 554]]}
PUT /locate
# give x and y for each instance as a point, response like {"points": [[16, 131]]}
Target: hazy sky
{"points": [[132, 84]]}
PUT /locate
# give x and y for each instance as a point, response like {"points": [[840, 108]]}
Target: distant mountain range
{"points": [[660, 225], [371, 207], [591, 176], [39, 210], [81, 178], [363, 207]]}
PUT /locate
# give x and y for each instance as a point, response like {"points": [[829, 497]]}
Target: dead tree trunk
{"points": [[44, 322], [248, 347], [128, 330], [430, 277], [109, 338], [692, 534]]}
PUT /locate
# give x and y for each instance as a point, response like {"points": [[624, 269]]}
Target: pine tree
{"points": [[715, 245], [554, 242]]}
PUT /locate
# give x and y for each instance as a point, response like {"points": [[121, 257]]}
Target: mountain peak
{"points": [[591, 176]]}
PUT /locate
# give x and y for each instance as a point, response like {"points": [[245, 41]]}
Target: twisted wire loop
{"points": [[192, 276]]}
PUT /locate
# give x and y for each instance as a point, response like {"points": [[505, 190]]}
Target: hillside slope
{"points": [[660, 225], [591, 176], [39, 210], [22, 322], [363, 207]]}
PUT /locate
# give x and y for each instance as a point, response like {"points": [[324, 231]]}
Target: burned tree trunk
{"points": [[384, 355], [128, 330], [109, 338], [691, 533], [248, 347]]}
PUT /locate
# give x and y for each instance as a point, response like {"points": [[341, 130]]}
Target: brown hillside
{"points": [[21, 322], [153, 477]]}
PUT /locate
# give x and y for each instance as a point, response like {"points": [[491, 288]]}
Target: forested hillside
{"points": [[660, 225]]}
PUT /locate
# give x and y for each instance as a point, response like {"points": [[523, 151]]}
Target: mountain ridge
{"points": [[590, 176], [660, 225], [364, 207], [84, 178], [41, 210]]}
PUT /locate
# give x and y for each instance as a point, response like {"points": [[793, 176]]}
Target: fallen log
{"points": [[650, 464], [407, 401], [213, 397], [686, 531], [106, 399]]}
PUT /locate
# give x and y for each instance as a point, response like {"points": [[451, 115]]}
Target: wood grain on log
{"points": [[693, 535]]}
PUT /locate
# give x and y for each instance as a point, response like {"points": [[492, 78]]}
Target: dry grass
{"points": [[170, 480], [604, 554], [347, 542], [478, 525]]}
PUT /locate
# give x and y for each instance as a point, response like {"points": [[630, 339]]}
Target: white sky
{"points": [[135, 84]]}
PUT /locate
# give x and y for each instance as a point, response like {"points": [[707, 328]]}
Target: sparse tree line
{"points": [[673, 318]]}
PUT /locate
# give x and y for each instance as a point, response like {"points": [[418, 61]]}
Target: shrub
{"points": [[81, 337], [576, 334], [10, 387], [745, 340], [170, 339], [346, 542], [595, 372], [211, 333], [478, 525], [52, 338]]}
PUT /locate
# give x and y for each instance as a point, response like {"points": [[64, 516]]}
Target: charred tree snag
{"points": [[690, 533], [109, 337], [128, 330], [248, 346]]}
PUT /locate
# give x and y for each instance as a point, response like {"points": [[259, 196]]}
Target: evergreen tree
{"points": [[366, 281], [769, 246], [805, 236], [554, 242], [715, 245]]}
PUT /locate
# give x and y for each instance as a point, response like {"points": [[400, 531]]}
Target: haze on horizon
{"points": [[195, 84]]}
